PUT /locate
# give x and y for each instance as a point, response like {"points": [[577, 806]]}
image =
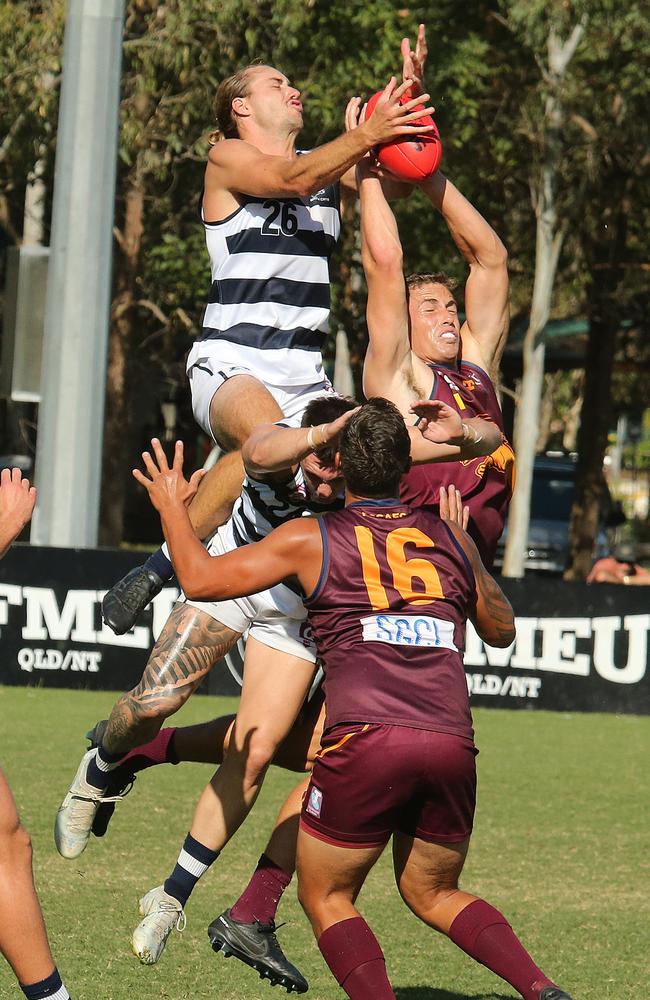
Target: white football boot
{"points": [[76, 813], [162, 913]]}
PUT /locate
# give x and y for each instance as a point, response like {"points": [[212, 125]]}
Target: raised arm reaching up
{"points": [[388, 369], [484, 332]]}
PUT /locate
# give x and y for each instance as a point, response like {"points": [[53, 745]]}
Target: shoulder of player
{"points": [[296, 537], [411, 381], [229, 154], [466, 544]]}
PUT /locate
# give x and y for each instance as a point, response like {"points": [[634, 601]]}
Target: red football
{"points": [[413, 159]]}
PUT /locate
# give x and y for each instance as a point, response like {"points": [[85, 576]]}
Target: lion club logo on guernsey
{"points": [[315, 801]]}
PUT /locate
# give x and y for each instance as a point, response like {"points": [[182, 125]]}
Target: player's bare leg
{"points": [[274, 689], [236, 409], [238, 405], [219, 488], [204, 743], [329, 881], [427, 877], [189, 645], [258, 904], [23, 938]]}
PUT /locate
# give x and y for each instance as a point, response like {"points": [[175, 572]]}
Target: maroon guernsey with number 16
{"points": [[388, 616]]}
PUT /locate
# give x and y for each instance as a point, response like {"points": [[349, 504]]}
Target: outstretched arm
{"points": [[486, 292], [238, 166], [272, 449], [17, 499], [293, 550], [441, 436], [387, 367], [493, 617]]}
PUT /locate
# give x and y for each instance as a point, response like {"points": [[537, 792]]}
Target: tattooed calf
{"points": [[187, 649]]}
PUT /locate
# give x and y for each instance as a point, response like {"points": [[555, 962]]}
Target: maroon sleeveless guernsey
{"points": [[388, 616], [485, 483]]}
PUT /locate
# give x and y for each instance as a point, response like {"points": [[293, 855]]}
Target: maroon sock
{"points": [[357, 962], [487, 937], [260, 898], [157, 751]]}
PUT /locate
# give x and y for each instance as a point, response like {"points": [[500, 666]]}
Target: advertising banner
{"points": [[578, 648]]}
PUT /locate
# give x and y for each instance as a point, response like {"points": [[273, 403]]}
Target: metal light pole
{"points": [[71, 414]]}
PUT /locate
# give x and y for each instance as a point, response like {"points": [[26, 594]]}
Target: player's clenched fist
{"points": [[167, 486]]}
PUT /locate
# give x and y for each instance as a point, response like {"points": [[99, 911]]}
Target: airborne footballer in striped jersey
{"points": [[271, 217]]}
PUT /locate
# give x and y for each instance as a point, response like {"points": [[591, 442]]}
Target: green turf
{"points": [[560, 845]]}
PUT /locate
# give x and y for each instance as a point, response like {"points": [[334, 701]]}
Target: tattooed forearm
{"points": [[188, 647], [497, 623]]}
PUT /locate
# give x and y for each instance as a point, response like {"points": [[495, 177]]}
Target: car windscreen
{"points": [[552, 495]]}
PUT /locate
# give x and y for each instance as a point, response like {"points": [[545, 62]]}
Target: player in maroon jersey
{"points": [[389, 589], [418, 348]]}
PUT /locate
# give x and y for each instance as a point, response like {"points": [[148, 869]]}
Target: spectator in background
{"points": [[23, 938]]}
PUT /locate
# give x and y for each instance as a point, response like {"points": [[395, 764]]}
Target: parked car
{"points": [[547, 547]]}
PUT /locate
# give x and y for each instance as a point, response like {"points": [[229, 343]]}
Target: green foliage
{"points": [[486, 76]]}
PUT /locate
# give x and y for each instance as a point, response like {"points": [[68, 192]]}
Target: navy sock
{"points": [[160, 564], [51, 987], [193, 861], [100, 766]]}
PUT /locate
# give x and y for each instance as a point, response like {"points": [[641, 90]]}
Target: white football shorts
{"points": [[208, 374], [275, 617]]}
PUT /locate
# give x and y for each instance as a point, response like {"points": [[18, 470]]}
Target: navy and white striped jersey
{"points": [[265, 505], [270, 295]]}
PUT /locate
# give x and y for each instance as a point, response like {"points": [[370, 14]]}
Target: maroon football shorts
{"points": [[372, 780]]}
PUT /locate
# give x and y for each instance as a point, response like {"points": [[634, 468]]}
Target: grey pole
{"points": [[71, 414]]}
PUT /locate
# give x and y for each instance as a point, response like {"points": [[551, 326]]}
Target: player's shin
{"points": [[356, 960], [274, 871], [484, 934]]}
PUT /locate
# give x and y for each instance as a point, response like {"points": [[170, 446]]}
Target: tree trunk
{"points": [[526, 432], [546, 411], [549, 239], [572, 418], [118, 431], [596, 415]]}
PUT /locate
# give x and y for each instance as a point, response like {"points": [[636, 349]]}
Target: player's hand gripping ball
{"points": [[411, 160]]}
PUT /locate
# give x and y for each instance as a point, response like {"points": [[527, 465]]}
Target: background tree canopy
{"points": [[488, 78]]}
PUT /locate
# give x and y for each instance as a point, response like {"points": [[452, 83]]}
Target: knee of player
{"points": [[425, 893], [307, 897], [254, 749], [261, 752]]}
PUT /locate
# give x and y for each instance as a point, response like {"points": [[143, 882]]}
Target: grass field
{"points": [[560, 845]]}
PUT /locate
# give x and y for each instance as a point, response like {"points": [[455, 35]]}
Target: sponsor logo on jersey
{"points": [[322, 197], [385, 515], [315, 801], [409, 630]]}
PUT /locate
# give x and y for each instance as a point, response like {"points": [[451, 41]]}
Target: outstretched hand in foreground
{"points": [[167, 487]]}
